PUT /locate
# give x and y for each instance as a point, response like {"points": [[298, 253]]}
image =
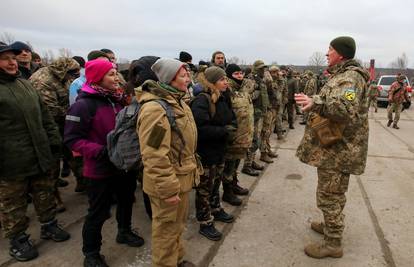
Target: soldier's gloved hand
{"points": [[231, 133]]}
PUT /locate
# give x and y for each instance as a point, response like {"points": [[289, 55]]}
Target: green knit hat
{"points": [[345, 46], [213, 74]]}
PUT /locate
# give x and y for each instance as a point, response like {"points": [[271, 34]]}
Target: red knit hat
{"points": [[96, 69]]}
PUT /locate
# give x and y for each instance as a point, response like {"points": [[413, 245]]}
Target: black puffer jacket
{"points": [[212, 133]]}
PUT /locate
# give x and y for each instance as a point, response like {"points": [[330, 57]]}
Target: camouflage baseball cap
{"points": [[258, 64], [274, 68]]}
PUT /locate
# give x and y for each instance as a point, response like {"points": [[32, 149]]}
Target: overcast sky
{"points": [[287, 32]]}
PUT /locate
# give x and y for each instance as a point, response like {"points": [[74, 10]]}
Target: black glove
{"points": [[231, 133]]}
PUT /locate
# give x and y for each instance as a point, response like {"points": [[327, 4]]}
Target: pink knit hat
{"points": [[96, 69]]}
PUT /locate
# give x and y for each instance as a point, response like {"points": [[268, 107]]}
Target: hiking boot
{"points": [[95, 260], [395, 126], [265, 158], [250, 171], [61, 183], [323, 250], [186, 264], [65, 169], [229, 196], [280, 137], [376, 110], [22, 249], [223, 216], [257, 166], [272, 154], [237, 189], [52, 230], [129, 237], [389, 123], [209, 231], [318, 227]]}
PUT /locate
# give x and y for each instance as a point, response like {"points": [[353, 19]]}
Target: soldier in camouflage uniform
{"points": [[396, 96], [373, 93], [278, 104], [52, 82], [293, 88], [343, 103], [309, 89], [260, 100]]}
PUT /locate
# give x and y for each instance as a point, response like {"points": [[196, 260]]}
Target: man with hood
{"points": [[335, 140]]}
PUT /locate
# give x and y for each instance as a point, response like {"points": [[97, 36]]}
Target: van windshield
{"points": [[387, 80]]}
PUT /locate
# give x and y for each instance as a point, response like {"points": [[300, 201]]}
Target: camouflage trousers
{"points": [[372, 101], [207, 193], [394, 107], [268, 126], [290, 108], [168, 225], [230, 170], [330, 198], [278, 120], [251, 152], [13, 202]]}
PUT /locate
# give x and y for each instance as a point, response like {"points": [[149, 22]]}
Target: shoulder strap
{"points": [[212, 107]]}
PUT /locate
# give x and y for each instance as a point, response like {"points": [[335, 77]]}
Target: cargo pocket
{"points": [[162, 211]]}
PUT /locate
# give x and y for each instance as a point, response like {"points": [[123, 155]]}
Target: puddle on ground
{"points": [[293, 176]]}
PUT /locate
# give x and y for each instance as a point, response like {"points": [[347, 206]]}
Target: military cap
{"points": [[274, 68], [258, 64]]}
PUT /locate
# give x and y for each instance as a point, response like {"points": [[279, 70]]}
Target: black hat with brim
{"points": [[4, 48]]}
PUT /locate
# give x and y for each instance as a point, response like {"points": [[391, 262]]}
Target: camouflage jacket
{"points": [[397, 93], [260, 95], [373, 91], [293, 88], [283, 84], [342, 100], [52, 86], [311, 86]]}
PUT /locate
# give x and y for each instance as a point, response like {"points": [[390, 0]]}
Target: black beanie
{"points": [[345, 46], [232, 68], [185, 57]]}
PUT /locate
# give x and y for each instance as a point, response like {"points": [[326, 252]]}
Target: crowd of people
{"points": [[195, 126]]}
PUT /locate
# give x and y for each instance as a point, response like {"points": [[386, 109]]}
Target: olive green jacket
{"points": [[27, 130]]}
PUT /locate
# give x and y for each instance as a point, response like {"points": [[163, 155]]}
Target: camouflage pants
{"points": [[372, 101], [168, 225], [251, 152], [394, 107], [207, 193], [230, 170], [278, 120], [290, 107], [268, 125], [330, 198], [13, 202]]}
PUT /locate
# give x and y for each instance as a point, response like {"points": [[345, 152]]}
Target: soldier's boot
{"points": [[229, 196], [95, 260], [208, 230], [265, 158], [395, 126], [61, 183], [60, 207], [250, 171], [376, 110], [129, 237], [257, 166], [272, 154], [291, 126], [389, 123], [80, 185], [186, 264], [22, 249], [328, 248], [237, 189], [318, 227], [52, 230], [222, 216]]}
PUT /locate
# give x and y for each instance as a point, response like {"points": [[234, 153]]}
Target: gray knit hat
{"points": [[166, 69], [213, 74]]}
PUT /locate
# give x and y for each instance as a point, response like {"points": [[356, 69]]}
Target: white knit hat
{"points": [[166, 69]]}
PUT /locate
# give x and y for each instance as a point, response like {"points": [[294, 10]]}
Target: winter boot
{"points": [[395, 126], [265, 158], [223, 216], [257, 166], [325, 249], [237, 189], [250, 171], [229, 196], [209, 231], [389, 123], [186, 264], [129, 237], [318, 227], [272, 154], [22, 249], [51, 230], [95, 260]]}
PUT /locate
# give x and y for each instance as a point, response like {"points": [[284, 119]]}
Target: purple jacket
{"points": [[88, 121]]}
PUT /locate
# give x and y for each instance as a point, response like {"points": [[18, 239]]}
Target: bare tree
{"points": [[400, 62], [7, 38], [233, 60], [65, 52], [317, 59], [48, 57]]}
